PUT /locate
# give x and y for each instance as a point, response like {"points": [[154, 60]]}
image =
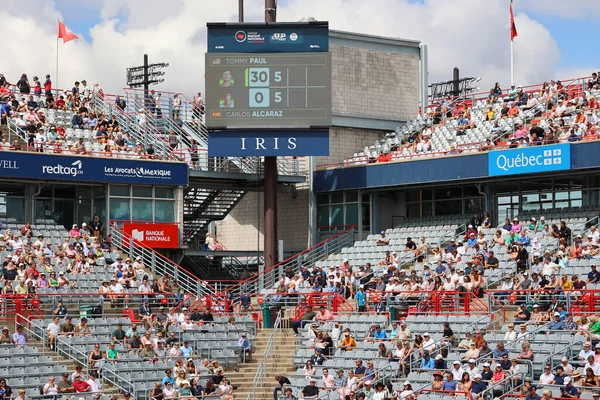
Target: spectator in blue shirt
{"points": [[361, 299], [531, 394], [569, 391], [593, 276], [77, 121], [478, 386], [168, 377], [556, 324], [427, 362], [377, 334], [440, 269], [449, 383], [500, 351], [523, 238]]}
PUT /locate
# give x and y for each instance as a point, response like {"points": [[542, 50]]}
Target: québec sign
{"points": [[156, 236], [529, 160]]}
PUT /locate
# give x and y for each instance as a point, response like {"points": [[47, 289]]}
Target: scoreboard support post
{"points": [[270, 187]]}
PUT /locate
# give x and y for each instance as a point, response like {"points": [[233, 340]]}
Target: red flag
{"points": [[513, 27], [65, 33]]}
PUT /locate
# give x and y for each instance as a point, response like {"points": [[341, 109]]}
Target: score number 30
{"points": [[258, 80]]}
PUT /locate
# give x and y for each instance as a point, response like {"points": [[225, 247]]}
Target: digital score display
{"points": [[277, 90]]}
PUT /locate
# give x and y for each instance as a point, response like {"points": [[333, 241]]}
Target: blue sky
{"points": [[576, 37]]}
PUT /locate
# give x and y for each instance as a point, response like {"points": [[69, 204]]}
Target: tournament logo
{"points": [[240, 36]]}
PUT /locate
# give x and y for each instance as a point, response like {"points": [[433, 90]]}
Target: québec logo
{"points": [[74, 169], [137, 235]]}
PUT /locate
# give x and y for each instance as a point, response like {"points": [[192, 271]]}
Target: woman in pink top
{"points": [[521, 132], [74, 231], [516, 226]]}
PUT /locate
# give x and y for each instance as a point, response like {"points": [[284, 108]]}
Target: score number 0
{"points": [[258, 80]]}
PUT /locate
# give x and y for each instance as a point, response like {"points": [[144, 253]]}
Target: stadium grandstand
{"points": [[439, 272]]}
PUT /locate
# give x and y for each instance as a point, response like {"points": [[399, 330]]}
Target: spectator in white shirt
{"points": [[428, 342], [547, 378], [510, 335], [95, 385]]}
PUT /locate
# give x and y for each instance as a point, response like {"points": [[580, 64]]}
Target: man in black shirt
{"points": [[536, 131], [491, 262], [311, 390], [218, 377], [410, 245], [283, 381], [522, 258]]}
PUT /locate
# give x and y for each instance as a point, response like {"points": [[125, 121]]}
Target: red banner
{"points": [[157, 236]]}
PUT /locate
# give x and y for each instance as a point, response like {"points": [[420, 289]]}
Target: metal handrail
{"points": [[70, 352], [268, 355], [320, 251], [161, 265]]}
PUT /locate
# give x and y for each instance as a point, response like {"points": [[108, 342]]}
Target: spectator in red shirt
{"points": [[80, 386], [593, 103], [590, 132]]}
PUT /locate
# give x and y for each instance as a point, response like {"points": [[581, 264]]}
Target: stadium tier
{"points": [[534, 115]]}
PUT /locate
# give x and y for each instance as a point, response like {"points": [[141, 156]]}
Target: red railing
{"points": [[456, 393]]}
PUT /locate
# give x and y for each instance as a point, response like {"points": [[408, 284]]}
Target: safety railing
{"points": [[269, 356], [65, 349], [572, 87], [310, 256], [141, 131], [159, 264]]}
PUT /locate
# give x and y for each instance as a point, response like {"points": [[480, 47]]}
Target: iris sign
{"points": [[529, 160]]}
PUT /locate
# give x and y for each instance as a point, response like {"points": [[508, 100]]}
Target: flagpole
{"points": [[56, 85], [512, 62]]}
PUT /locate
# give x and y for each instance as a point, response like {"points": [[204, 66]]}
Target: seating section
{"points": [[445, 136]]}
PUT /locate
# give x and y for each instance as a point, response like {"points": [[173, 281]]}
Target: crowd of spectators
{"points": [[568, 114], [29, 109]]}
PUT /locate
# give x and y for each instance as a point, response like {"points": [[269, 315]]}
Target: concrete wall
{"points": [[343, 142], [374, 83], [240, 228]]}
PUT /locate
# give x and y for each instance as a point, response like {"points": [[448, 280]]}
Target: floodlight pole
{"points": [[240, 10], [270, 174], [146, 81]]}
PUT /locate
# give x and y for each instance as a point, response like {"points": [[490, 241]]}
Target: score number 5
{"points": [[258, 80]]}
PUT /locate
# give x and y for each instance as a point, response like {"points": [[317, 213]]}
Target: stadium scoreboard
{"points": [[268, 90]]}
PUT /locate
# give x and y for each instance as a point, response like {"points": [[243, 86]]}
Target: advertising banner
{"points": [[156, 236], [90, 169], [528, 160]]}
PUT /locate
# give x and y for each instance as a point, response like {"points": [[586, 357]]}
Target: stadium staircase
{"points": [[201, 206], [280, 363]]}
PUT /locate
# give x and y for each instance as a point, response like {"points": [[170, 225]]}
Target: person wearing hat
{"points": [[383, 241], [531, 391], [244, 347], [439, 363], [569, 391], [556, 324], [65, 385], [478, 385], [368, 389]]}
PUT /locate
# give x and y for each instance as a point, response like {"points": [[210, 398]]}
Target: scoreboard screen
{"points": [[275, 90]]}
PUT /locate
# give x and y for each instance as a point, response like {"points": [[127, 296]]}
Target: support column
{"points": [[270, 165]]}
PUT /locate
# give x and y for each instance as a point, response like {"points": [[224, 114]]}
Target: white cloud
{"points": [[470, 34]]}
